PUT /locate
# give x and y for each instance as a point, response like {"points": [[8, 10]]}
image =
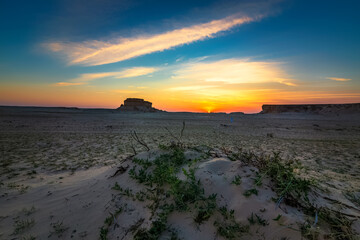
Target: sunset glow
{"points": [[227, 56]]}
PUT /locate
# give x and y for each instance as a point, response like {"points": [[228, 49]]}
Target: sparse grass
{"points": [[340, 225], [22, 225], [29, 237], [352, 197], [28, 212], [309, 232], [58, 228], [107, 223], [294, 190], [19, 187]]}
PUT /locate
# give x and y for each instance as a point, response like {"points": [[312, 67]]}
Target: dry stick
{"points": [[140, 141], [133, 148], [182, 130], [181, 133], [172, 134]]}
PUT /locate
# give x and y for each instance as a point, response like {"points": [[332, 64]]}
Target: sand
{"points": [[56, 166]]}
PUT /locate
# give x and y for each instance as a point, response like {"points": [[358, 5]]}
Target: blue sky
{"points": [[256, 52]]}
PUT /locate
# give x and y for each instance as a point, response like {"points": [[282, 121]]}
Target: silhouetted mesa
{"points": [[137, 105], [313, 108]]}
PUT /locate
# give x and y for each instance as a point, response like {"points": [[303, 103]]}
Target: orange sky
{"points": [[223, 98]]}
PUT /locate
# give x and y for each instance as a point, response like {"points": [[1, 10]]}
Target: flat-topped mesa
{"points": [[313, 108], [137, 105]]}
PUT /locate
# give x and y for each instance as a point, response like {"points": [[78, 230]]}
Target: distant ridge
{"points": [[313, 108]]}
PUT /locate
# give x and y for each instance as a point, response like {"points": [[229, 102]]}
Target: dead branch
{"points": [[120, 170], [139, 140], [182, 130], [181, 134]]}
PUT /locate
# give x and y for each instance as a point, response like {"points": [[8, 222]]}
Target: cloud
{"points": [[95, 52], [191, 88], [234, 71], [125, 91], [66, 84], [339, 79], [127, 73], [135, 72]]}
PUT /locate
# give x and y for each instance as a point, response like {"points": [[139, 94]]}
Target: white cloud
{"points": [[234, 71], [119, 49], [127, 73]]}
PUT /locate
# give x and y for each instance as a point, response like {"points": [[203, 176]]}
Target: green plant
{"points": [[107, 223], [237, 180], [252, 219], [258, 179], [188, 191], [140, 196], [206, 209], [277, 218], [228, 227], [256, 219], [117, 187], [103, 233], [287, 184], [261, 221], [249, 192], [157, 227]]}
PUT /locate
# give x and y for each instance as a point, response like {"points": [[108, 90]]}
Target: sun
{"points": [[209, 109]]}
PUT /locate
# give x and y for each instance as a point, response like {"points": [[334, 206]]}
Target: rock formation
{"points": [[313, 108], [137, 105]]}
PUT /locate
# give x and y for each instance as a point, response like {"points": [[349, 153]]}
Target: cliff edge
{"points": [[313, 108]]}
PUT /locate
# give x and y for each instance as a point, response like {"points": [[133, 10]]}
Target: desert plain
{"points": [[102, 174]]}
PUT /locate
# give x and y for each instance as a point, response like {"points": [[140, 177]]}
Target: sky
{"points": [[199, 56]]}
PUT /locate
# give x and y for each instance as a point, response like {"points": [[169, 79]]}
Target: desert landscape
{"points": [[179, 120], [69, 173]]}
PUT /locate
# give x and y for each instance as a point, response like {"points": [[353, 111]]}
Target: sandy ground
{"points": [[56, 166]]}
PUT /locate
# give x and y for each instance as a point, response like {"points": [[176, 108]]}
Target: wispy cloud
{"points": [[234, 71], [339, 79], [66, 84], [124, 91], [192, 87], [127, 73], [95, 52]]}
